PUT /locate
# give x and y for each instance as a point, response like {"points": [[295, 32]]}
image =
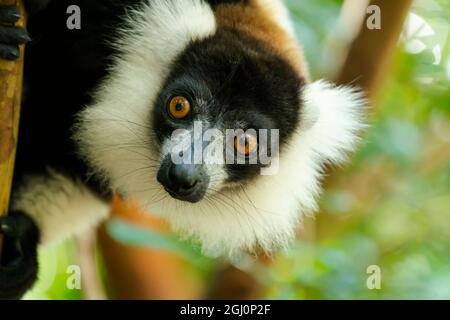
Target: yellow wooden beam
{"points": [[11, 73]]}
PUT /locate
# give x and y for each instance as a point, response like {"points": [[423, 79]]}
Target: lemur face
{"points": [[228, 83], [210, 123]]}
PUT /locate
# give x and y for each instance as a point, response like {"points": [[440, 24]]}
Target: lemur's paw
{"points": [[18, 264], [10, 35]]}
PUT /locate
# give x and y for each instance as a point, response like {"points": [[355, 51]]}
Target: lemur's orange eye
{"points": [[245, 144], [179, 107]]}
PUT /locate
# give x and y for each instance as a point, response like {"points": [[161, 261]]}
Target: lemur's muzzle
{"points": [[186, 182]]}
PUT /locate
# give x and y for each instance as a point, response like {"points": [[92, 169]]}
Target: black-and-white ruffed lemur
{"points": [[101, 103]]}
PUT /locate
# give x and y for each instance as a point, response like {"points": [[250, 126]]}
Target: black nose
{"points": [[183, 177]]}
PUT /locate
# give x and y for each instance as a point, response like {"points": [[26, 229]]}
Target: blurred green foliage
{"points": [[137, 236], [390, 207]]}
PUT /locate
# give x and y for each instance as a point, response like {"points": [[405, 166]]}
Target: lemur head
{"points": [[235, 100], [209, 119]]}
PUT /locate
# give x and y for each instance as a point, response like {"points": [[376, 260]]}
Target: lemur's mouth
{"points": [[192, 196]]}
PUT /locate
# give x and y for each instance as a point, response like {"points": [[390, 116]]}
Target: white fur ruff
{"points": [[61, 207]]}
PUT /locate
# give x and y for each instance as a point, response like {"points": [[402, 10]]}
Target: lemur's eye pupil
{"points": [[179, 107], [245, 144]]}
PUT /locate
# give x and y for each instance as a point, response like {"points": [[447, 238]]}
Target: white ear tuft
{"points": [[332, 118]]}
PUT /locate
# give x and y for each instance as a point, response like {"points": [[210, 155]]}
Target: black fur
{"points": [[62, 67], [19, 265]]}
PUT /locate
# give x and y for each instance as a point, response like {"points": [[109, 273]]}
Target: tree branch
{"points": [[11, 73], [371, 52]]}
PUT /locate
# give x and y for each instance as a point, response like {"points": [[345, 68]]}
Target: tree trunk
{"points": [[371, 52]]}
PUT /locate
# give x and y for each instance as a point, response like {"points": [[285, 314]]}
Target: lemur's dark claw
{"points": [[9, 52], [10, 36], [5, 228], [9, 14], [15, 226]]}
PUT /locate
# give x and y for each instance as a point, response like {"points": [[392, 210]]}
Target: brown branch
{"points": [[142, 273], [10, 95], [371, 52], [231, 283], [92, 285]]}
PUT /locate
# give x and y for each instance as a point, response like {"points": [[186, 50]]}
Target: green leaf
{"points": [[133, 235]]}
